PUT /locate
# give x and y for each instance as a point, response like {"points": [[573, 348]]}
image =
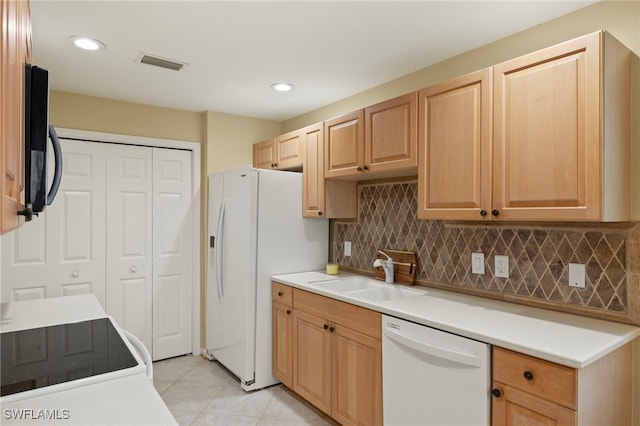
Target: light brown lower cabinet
{"points": [[336, 355], [531, 391]]}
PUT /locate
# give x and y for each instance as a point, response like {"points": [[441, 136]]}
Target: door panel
{"points": [[129, 241], [172, 252], [79, 220]]}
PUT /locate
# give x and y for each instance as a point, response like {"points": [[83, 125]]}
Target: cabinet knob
{"points": [[483, 213], [325, 326], [319, 213], [134, 268], [496, 393], [279, 294], [359, 169], [75, 274], [332, 329], [366, 167], [275, 164], [528, 375], [495, 213], [288, 311]]}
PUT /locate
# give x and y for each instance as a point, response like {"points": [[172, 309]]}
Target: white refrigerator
{"points": [[256, 230]]}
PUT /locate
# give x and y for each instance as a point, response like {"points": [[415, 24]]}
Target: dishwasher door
{"points": [[430, 377]]}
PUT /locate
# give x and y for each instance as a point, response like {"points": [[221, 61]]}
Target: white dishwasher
{"points": [[430, 377]]}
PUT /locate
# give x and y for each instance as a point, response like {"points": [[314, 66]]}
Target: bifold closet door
{"points": [[62, 251], [172, 252], [129, 239]]}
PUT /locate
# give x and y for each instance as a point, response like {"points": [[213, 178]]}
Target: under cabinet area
{"points": [[528, 390], [329, 352]]}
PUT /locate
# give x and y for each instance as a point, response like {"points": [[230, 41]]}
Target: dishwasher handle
{"points": [[437, 351]]}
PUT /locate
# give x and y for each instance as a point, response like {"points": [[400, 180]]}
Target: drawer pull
{"points": [[496, 393], [279, 294], [528, 375]]}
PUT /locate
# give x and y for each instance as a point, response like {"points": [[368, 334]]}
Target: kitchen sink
{"points": [[386, 293], [349, 284]]}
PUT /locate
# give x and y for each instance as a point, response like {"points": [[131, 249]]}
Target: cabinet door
{"points": [[547, 154], [282, 356], [289, 150], [313, 196], [514, 407], [391, 134], [357, 378], [264, 154], [129, 240], [312, 360], [79, 221], [15, 49], [454, 176], [172, 252], [344, 145]]}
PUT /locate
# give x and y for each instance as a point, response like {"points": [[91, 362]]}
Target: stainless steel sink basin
{"points": [[348, 284]]}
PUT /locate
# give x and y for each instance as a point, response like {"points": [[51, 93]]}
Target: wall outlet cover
{"points": [[576, 275], [347, 248], [477, 263], [502, 266]]}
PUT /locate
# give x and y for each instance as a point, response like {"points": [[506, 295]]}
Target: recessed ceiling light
{"points": [[87, 43], [282, 87]]}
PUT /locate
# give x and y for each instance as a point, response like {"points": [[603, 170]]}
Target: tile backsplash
{"points": [[539, 253]]}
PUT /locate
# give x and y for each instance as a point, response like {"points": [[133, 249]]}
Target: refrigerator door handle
{"points": [[218, 249]]}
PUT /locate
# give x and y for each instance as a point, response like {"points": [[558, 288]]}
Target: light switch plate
{"points": [[477, 263], [576, 275], [502, 266], [347, 248]]}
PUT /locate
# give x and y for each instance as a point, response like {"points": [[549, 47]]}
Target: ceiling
{"points": [[236, 49]]}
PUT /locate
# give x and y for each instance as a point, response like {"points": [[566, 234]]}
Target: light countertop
{"points": [[571, 340]]}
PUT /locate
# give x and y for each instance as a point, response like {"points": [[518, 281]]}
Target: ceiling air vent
{"points": [[157, 61]]}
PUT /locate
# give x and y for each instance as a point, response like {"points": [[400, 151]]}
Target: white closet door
{"points": [[129, 239], [172, 252], [79, 222], [27, 264]]}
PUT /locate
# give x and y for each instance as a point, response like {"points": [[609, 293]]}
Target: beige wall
{"points": [[82, 112], [230, 139]]}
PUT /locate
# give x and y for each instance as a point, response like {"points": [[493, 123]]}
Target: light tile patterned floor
{"points": [[201, 392]]}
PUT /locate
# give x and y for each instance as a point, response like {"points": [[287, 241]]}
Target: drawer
{"points": [[360, 319], [545, 379], [282, 293]]}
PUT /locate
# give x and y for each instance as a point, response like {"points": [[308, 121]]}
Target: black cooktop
{"points": [[46, 356]]}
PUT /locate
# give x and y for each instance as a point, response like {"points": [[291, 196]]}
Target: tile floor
{"points": [[201, 392]]}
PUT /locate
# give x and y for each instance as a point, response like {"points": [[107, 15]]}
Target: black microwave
{"points": [[37, 133]]}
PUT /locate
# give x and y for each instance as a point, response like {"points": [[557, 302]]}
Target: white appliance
{"points": [[430, 377], [256, 230]]}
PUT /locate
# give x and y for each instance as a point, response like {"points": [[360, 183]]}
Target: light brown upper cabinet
{"points": [[16, 51], [264, 154], [560, 146], [328, 199], [379, 141], [344, 145], [281, 153], [391, 135], [455, 148], [562, 133]]}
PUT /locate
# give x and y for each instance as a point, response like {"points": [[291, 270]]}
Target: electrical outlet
{"points": [[477, 263], [576, 275], [502, 266], [347, 248]]}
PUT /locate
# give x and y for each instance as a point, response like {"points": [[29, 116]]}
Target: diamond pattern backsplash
{"points": [[539, 254]]}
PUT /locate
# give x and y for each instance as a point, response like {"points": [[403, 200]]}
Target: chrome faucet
{"points": [[386, 265]]}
